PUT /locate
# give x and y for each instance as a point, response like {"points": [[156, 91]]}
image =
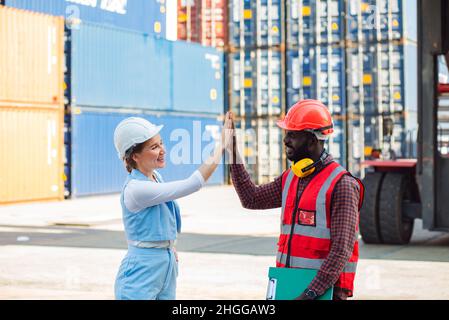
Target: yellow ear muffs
{"points": [[299, 166]]}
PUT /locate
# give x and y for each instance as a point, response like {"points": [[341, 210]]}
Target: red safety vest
{"points": [[311, 240]]}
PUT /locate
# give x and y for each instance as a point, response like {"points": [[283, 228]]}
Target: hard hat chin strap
{"points": [[319, 132]]}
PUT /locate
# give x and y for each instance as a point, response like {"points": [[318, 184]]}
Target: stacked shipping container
{"points": [[147, 16], [255, 23], [311, 22], [255, 71], [382, 69], [256, 82], [177, 84], [96, 168], [31, 106], [123, 69], [358, 57], [111, 73], [315, 60], [203, 21], [363, 67]]}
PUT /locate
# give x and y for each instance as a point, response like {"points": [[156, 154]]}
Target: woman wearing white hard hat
{"points": [[150, 213]]}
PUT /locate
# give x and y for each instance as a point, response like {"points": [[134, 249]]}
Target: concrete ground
{"points": [[72, 250]]}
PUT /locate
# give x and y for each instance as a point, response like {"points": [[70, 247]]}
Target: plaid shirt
{"points": [[344, 218]]}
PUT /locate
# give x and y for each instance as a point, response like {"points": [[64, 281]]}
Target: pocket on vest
{"points": [[306, 217]]}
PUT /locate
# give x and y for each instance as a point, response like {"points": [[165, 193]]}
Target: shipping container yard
{"points": [[255, 58], [113, 118]]}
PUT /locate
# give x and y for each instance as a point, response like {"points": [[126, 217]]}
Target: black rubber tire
{"points": [[369, 214], [394, 228]]}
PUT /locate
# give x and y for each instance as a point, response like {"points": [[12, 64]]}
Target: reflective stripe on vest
{"points": [[285, 194], [320, 231], [315, 264], [309, 232]]}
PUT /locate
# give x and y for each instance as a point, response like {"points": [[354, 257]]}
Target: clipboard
{"points": [[289, 283]]}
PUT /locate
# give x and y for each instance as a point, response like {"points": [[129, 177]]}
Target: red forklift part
{"points": [[443, 88], [400, 165]]}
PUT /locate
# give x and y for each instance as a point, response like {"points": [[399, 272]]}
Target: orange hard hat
{"points": [[309, 115]]}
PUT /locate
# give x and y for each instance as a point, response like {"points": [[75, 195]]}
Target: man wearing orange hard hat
{"points": [[320, 203]]}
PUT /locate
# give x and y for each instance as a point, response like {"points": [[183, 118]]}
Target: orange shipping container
{"points": [[31, 57], [31, 153]]}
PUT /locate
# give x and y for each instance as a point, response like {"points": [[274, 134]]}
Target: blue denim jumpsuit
{"points": [[148, 273]]}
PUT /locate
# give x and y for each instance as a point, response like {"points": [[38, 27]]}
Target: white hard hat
{"points": [[132, 131]]}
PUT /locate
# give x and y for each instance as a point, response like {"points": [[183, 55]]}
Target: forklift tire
{"points": [[369, 214], [394, 228]]}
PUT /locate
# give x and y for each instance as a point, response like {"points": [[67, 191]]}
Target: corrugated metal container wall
{"points": [[203, 21], [116, 68], [382, 78], [256, 82], [189, 20], [147, 16], [255, 23], [215, 23], [31, 153], [260, 143], [311, 22], [31, 57], [198, 79], [383, 87], [336, 145], [96, 168], [397, 20], [269, 150], [317, 72]]}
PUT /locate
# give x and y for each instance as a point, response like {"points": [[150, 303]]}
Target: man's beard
{"points": [[300, 153]]}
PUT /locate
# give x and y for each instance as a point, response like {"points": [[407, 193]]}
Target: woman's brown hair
{"points": [[128, 159]]}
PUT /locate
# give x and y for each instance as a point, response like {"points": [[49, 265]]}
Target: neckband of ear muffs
{"points": [[305, 167]]}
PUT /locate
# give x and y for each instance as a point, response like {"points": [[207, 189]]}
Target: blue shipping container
{"points": [[382, 20], [122, 69], [311, 22], [198, 78], [256, 82], [336, 144], [317, 72], [260, 141], [382, 78], [148, 16], [96, 168], [116, 68], [255, 23]]}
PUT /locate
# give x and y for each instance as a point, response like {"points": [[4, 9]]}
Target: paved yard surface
{"points": [[72, 249]]}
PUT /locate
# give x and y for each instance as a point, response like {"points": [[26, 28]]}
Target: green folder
{"points": [[289, 283]]}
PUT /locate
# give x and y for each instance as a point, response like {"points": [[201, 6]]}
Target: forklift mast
{"points": [[432, 168]]}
